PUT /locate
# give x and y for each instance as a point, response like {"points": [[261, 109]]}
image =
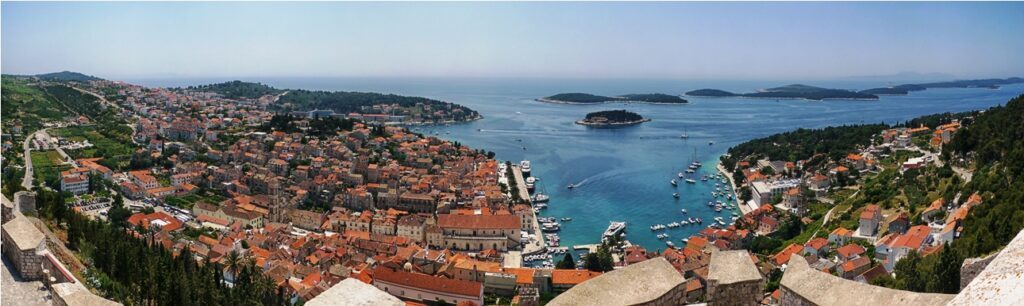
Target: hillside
{"points": [[65, 76], [238, 89], [418, 108]]}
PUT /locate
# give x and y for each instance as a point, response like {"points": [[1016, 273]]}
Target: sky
{"points": [[748, 41]]}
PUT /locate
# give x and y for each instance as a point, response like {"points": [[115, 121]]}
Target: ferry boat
{"points": [[540, 198], [673, 182], [530, 182], [691, 181], [525, 166]]}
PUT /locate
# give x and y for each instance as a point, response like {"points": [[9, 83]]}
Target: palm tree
{"points": [[233, 261]]}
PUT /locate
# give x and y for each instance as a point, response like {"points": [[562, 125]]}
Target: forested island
{"points": [[398, 109], [793, 91], [800, 91], [612, 118], [907, 88], [585, 98]]}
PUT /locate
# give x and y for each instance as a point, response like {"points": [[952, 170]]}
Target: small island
{"points": [[612, 118], [585, 98]]}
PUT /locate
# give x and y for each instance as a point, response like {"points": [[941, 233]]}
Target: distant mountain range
{"points": [[800, 91], [585, 98]]}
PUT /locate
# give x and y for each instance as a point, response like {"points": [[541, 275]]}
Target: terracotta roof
{"points": [[427, 282], [850, 249], [479, 221], [783, 256], [817, 243], [571, 277]]}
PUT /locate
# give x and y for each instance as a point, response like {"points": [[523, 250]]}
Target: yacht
{"points": [[525, 166], [540, 198], [550, 227], [614, 228], [673, 182], [529, 182]]}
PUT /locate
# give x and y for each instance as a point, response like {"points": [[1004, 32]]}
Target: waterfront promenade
{"points": [[744, 209], [538, 245]]}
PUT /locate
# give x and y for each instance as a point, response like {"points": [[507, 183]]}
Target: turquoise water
{"points": [[623, 173]]}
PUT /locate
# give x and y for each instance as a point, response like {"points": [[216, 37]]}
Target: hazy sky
{"points": [[576, 40]]}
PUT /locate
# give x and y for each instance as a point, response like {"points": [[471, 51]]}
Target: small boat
{"points": [[675, 195], [711, 142], [680, 175], [684, 210], [684, 136], [673, 182], [685, 240], [673, 225], [670, 244]]}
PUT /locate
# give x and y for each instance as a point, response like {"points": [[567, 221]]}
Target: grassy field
{"points": [[47, 166], [187, 201], [113, 150]]}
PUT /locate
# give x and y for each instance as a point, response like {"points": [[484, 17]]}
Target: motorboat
{"points": [[670, 244], [566, 219], [571, 186], [673, 182], [675, 195], [691, 181], [683, 210], [680, 175], [540, 198], [525, 166]]}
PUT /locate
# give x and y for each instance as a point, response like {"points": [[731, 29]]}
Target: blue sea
{"points": [[623, 174]]}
